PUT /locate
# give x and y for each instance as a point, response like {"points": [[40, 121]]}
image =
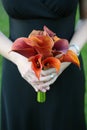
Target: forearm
{"points": [[80, 36], [79, 39], [5, 49]]}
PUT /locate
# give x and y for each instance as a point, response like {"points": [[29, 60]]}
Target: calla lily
{"points": [[49, 32], [61, 45], [24, 49], [36, 64], [51, 62], [42, 44], [70, 56]]}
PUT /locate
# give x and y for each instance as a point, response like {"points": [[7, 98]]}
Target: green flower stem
{"points": [[41, 96]]}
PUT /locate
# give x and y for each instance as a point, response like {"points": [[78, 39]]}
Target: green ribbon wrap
{"points": [[41, 96]]}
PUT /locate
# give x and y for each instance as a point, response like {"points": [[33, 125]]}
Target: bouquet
{"points": [[45, 50]]}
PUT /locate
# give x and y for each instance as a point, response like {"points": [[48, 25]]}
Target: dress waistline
{"points": [[22, 28]]}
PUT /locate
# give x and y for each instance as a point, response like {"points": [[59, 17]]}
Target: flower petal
{"points": [[49, 32], [36, 64], [36, 32], [61, 45], [42, 44], [70, 56], [51, 62], [56, 38], [22, 48], [19, 44], [40, 41]]}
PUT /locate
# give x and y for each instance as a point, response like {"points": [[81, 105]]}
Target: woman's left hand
{"points": [[49, 76]]}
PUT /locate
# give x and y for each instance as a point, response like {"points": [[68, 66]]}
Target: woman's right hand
{"points": [[25, 69]]}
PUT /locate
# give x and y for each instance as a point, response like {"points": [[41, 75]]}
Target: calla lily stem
{"points": [[41, 97]]}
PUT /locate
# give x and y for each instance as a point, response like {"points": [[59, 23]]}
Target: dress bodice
{"points": [[26, 15], [27, 9]]}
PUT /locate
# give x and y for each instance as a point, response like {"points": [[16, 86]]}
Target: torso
{"points": [[40, 8]]}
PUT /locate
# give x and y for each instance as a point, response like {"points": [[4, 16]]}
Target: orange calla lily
{"points": [[21, 47], [51, 62], [49, 32], [70, 56], [36, 64], [42, 44]]}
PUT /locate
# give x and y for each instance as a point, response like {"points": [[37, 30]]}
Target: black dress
{"points": [[64, 107]]}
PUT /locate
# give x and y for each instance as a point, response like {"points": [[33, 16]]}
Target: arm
{"points": [[23, 65], [5, 48], [79, 39], [80, 35]]}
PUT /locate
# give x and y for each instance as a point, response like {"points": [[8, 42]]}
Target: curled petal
{"points": [[70, 56], [49, 32], [42, 44], [33, 41], [39, 41], [36, 33], [27, 52], [61, 45], [51, 62], [45, 47], [56, 38], [36, 64], [22, 48], [19, 44]]}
